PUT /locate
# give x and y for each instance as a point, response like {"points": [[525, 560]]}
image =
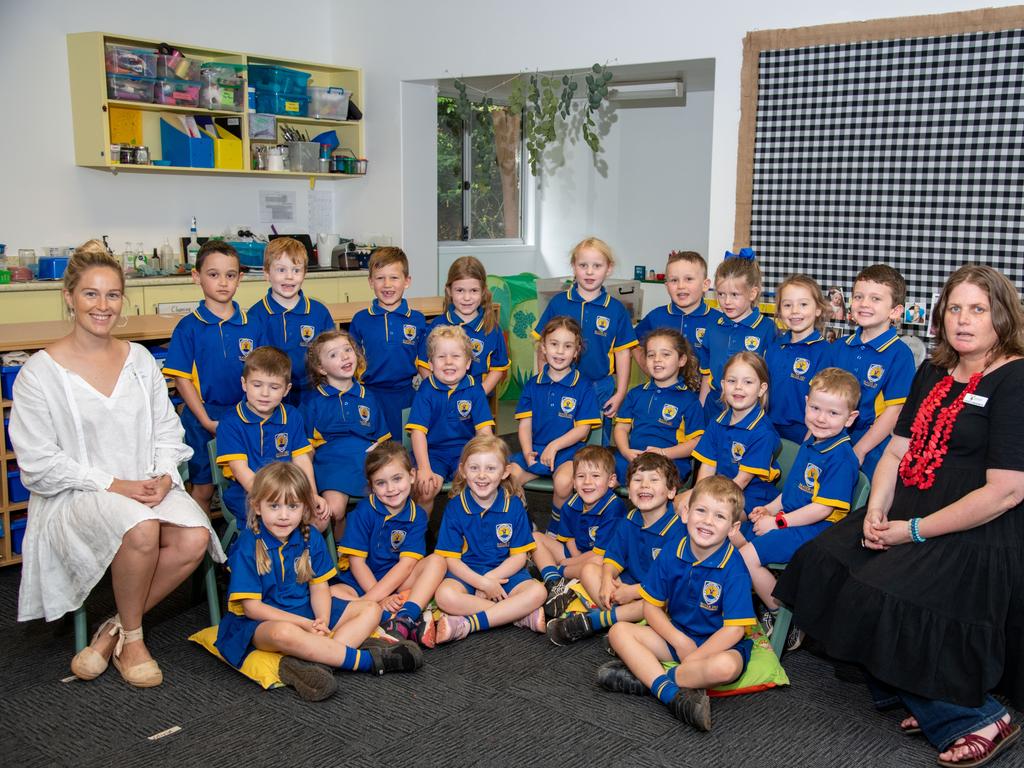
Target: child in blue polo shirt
{"points": [[817, 493], [741, 327], [741, 443], [794, 357], [686, 280], [343, 420], [556, 411], [664, 415], [382, 554], [650, 527], [697, 607], [468, 303], [485, 535], [290, 319], [205, 358], [389, 333], [262, 429], [289, 609], [874, 354], [583, 524], [607, 330], [448, 410]]}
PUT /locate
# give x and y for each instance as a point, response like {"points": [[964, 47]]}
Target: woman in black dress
{"points": [[925, 588]]}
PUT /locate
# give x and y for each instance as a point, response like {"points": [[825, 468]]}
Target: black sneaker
{"points": [[794, 638], [606, 644], [311, 681], [403, 628], [767, 619], [615, 676], [560, 595], [400, 657], [570, 629], [693, 707]]}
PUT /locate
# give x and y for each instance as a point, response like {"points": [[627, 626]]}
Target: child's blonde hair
{"points": [[485, 444], [383, 257], [470, 268], [285, 246], [690, 370], [740, 267], [720, 488], [836, 381], [690, 257], [655, 462], [449, 333], [808, 282], [313, 364], [285, 483], [597, 456], [598, 245], [754, 361]]}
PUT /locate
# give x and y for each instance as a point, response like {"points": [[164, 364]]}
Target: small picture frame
{"points": [[837, 304], [915, 312]]}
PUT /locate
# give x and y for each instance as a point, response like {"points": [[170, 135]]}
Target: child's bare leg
{"points": [[425, 579], [719, 669], [520, 476], [525, 598], [203, 494], [357, 622], [337, 504], [590, 578], [344, 592], [641, 648], [562, 481], [575, 570], [762, 578], [549, 551], [630, 612]]}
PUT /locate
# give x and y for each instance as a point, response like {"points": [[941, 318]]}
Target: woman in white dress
{"points": [[99, 445]]}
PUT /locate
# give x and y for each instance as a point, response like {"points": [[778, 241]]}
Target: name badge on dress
{"points": [[973, 399]]}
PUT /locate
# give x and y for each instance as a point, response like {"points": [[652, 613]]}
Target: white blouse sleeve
{"points": [[46, 468], [169, 448]]}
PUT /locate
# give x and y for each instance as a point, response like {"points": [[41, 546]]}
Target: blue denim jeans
{"points": [[942, 722]]}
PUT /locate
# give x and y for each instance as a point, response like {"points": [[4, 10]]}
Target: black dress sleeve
{"points": [[925, 378], [1006, 421]]}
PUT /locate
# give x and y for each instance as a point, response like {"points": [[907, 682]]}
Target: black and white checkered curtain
{"points": [[909, 152]]}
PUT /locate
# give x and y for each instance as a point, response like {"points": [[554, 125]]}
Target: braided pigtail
{"points": [[262, 555], [303, 565]]}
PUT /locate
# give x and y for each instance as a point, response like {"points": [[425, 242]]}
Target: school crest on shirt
{"points": [[811, 474], [738, 449], [800, 367], [668, 412], [504, 533], [751, 343], [592, 533], [306, 333], [244, 347], [477, 346], [655, 551], [601, 323], [409, 333], [397, 537], [711, 594], [364, 415], [281, 443], [875, 373], [464, 407], [568, 405], [699, 334]]}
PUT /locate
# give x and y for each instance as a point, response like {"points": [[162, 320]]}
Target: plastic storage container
{"points": [[265, 77], [181, 93], [262, 126], [328, 103], [140, 62], [177, 67], [18, 534], [304, 156], [250, 253], [16, 492], [8, 374], [281, 104], [222, 87], [129, 88]]}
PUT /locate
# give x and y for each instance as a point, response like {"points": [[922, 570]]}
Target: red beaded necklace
{"points": [[928, 443]]}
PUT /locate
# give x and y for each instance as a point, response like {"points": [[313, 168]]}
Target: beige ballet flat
{"points": [[144, 675], [87, 664]]}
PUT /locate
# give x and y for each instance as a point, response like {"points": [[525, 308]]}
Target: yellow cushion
{"points": [[259, 666]]}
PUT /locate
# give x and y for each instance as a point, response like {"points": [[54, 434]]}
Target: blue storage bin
{"points": [[250, 253], [8, 374], [277, 103], [16, 492], [18, 534], [183, 151], [265, 77]]}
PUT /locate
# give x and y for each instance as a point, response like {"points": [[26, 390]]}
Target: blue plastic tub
{"points": [[265, 77], [18, 534], [277, 103], [8, 374], [250, 253], [16, 492]]}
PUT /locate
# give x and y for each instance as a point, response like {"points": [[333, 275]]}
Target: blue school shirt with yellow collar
{"points": [[604, 322], [211, 352], [701, 596], [749, 445], [490, 353], [824, 472], [484, 538], [293, 330], [726, 337], [555, 407], [382, 537], [449, 416], [661, 417], [589, 528], [693, 325], [279, 587], [390, 340], [339, 423], [632, 547], [791, 366]]}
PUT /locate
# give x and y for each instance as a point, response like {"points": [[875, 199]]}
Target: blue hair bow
{"points": [[745, 253]]}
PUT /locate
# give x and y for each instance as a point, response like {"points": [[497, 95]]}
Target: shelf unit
{"points": [[8, 512], [90, 108]]}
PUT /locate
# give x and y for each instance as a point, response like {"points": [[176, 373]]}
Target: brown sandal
{"points": [[144, 675], [910, 730], [979, 749], [87, 664]]}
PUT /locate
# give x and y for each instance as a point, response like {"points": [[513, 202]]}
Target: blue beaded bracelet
{"points": [[915, 531]]}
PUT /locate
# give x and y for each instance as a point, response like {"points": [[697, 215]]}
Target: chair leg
{"points": [[212, 598], [332, 546], [782, 621], [81, 629], [229, 535]]}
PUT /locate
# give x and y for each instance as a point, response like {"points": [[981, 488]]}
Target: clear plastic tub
{"points": [[122, 60], [180, 93], [177, 67], [217, 92], [128, 88], [221, 71], [328, 103], [265, 77]]}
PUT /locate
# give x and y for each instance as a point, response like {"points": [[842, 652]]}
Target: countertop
{"points": [[186, 279]]}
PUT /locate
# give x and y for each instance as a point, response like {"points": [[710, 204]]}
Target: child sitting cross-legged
{"points": [[583, 524], [697, 606], [649, 528]]}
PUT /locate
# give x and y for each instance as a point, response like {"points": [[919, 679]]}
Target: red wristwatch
{"points": [[780, 520]]}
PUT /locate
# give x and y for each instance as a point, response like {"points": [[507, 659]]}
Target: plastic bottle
{"points": [[167, 261], [192, 252], [140, 259], [127, 258]]}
